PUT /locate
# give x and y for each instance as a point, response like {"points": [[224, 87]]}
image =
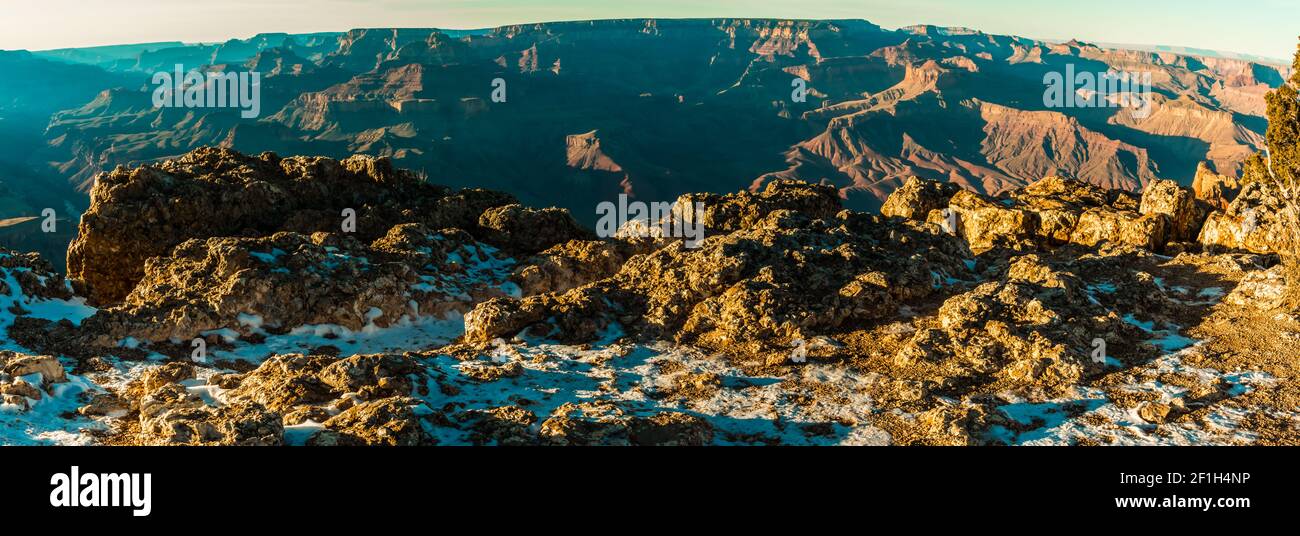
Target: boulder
{"points": [[285, 382], [670, 429], [1261, 289], [1185, 213], [1106, 224], [525, 231], [733, 212], [574, 264], [1252, 222], [917, 197], [390, 422], [986, 223], [1059, 193], [504, 425], [170, 414], [17, 365], [27, 378], [1214, 189]]}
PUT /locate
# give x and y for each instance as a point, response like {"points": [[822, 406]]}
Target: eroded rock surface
{"points": [[143, 212], [770, 281], [27, 379], [1055, 211], [1059, 313], [1255, 221], [287, 280], [1218, 191]]}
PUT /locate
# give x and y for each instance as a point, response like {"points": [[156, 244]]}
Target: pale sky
{"points": [[1262, 27]]}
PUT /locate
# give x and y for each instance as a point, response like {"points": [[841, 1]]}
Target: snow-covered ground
{"points": [[742, 409], [53, 418], [406, 334], [480, 267], [43, 421], [813, 404], [1090, 414], [74, 310]]}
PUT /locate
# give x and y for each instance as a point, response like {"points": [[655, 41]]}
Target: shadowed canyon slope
{"points": [[653, 108]]}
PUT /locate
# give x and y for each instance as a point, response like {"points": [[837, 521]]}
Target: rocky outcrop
{"points": [[1214, 189], [371, 400], [35, 278], [27, 379], [593, 424], [575, 263], [173, 416], [1055, 211], [743, 210], [387, 422], [946, 322], [286, 280], [986, 223], [522, 230], [39, 311], [1032, 326], [1254, 221], [170, 413], [361, 400], [1264, 290], [144, 212], [1184, 212], [778, 275], [917, 197], [1105, 224]]}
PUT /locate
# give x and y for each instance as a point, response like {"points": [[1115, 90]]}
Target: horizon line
{"points": [[1243, 56]]}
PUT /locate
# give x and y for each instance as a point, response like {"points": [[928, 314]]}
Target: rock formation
{"points": [[140, 213], [1252, 221], [1060, 312], [1215, 189]]}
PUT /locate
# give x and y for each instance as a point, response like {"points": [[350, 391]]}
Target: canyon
{"points": [[648, 108]]}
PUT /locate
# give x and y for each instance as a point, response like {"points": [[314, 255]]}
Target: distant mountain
{"points": [[154, 56], [655, 108], [108, 57], [33, 90], [1193, 51]]}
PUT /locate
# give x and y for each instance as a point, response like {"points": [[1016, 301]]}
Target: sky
{"points": [[1261, 27]]}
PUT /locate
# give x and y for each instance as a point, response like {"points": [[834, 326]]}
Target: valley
{"points": [[647, 108]]}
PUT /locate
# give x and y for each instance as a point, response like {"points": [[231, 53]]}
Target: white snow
{"points": [[298, 434], [1210, 292], [406, 334], [44, 422], [744, 410], [1123, 426], [251, 321], [74, 310]]}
